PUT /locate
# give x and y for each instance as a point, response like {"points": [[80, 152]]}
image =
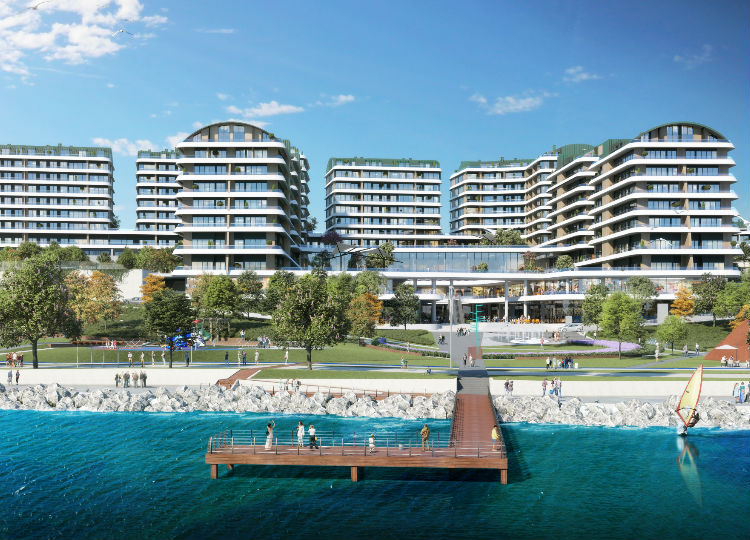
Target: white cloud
{"points": [[478, 98], [173, 140], [576, 74], [110, 85], [72, 31], [511, 104], [215, 30], [271, 108], [694, 60], [197, 125], [124, 146], [222, 97], [341, 99]]}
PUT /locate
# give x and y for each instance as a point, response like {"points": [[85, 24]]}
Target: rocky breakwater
{"points": [[239, 398], [635, 412]]}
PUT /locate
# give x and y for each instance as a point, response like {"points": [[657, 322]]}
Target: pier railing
{"points": [[335, 391], [330, 443]]}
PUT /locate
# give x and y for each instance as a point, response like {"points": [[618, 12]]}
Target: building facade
{"points": [[156, 194], [242, 200], [370, 201]]}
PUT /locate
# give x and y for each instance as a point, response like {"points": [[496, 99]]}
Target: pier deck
{"points": [[468, 447]]}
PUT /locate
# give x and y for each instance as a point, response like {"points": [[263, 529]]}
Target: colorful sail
{"points": [[689, 400]]}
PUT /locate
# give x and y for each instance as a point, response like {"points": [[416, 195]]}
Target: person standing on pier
{"points": [[495, 435], [372, 443], [425, 433], [269, 434], [313, 439], [18, 376], [544, 387], [300, 434]]}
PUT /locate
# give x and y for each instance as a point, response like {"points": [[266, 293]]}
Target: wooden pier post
{"points": [[356, 471], [214, 471], [503, 476]]}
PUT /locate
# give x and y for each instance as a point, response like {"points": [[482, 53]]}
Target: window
{"points": [[239, 133], [223, 133]]}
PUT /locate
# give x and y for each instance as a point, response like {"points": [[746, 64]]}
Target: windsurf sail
{"points": [[689, 400]]}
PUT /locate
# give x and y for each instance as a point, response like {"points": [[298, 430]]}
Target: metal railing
{"points": [[330, 443]]}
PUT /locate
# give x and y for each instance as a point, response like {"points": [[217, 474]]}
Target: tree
{"points": [[529, 262], [592, 304], [504, 237], [26, 250], [34, 303], [278, 284], [156, 260], [364, 313], [344, 285], [104, 257], [733, 297], [322, 259], [250, 289], [672, 329], [404, 305], [169, 314], [73, 254], [621, 319], [310, 224], [707, 292], [683, 303], [95, 298], [330, 238], [310, 314], [380, 257], [745, 257], [220, 299], [151, 284], [127, 258], [643, 290], [563, 262], [369, 281], [115, 221]]}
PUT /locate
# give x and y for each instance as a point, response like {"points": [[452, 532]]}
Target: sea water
{"points": [[137, 475]]}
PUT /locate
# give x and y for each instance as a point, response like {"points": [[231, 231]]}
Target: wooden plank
{"points": [[214, 471], [356, 471]]}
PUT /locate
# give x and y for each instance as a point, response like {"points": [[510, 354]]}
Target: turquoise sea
{"points": [[136, 475]]}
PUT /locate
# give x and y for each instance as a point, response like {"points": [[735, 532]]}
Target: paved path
{"points": [[458, 345]]}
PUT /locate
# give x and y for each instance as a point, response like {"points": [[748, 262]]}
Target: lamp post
{"points": [[450, 320]]}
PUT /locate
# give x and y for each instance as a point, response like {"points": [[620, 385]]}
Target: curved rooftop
{"points": [[693, 124]]}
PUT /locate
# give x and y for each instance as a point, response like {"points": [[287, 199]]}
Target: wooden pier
{"points": [[468, 447]]}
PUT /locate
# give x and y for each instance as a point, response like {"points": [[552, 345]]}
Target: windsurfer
{"points": [[694, 420]]}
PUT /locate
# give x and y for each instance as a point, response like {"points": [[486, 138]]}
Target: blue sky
{"points": [[450, 81]]}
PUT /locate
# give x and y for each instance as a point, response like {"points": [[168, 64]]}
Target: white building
{"points": [[370, 201]]}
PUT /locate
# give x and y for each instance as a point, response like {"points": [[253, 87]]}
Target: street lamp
{"points": [[450, 320]]}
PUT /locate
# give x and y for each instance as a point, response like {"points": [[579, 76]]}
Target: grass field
{"points": [[270, 373], [548, 349]]}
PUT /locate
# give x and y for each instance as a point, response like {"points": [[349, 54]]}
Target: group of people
{"points": [[441, 339], [13, 359], [143, 358], [264, 342], [741, 392], [125, 379], [462, 331], [292, 385], [729, 362], [555, 387], [10, 376], [404, 363], [564, 363], [467, 358], [508, 387]]}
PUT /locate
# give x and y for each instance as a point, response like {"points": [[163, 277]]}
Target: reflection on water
{"points": [[687, 461]]}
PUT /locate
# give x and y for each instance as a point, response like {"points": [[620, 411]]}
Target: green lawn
{"points": [[420, 337], [582, 362], [270, 373], [512, 349], [706, 335]]}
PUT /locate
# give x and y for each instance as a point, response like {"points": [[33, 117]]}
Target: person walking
{"points": [[286, 357], [300, 434], [244, 357], [425, 433], [510, 388], [152, 358], [10, 377], [507, 387], [257, 355], [143, 379], [130, 358], [544, 387], [697, 350], [143, 359], [226, 358], [117, 380], [242, 335], [547, 363], [685, 350], [559, 387], [313, 439], [239, 358], [134, 378], [269, 434], [18, 376], [126, 380], [495, 436], [163, 360]]}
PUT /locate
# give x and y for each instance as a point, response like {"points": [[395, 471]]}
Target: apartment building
{"points": [[242, 200], [505, 194], [156, 194], [663, 200], [370, 201], [57, 194]]}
